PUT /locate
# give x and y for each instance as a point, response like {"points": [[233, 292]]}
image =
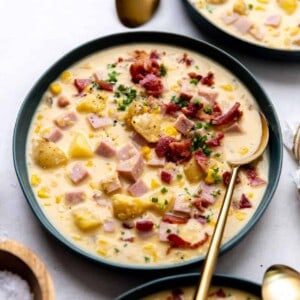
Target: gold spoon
{"points": [[212, 254], [281, 282], [134, 13]]}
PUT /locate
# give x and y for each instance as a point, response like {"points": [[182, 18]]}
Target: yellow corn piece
{"points": [[66, 76], [171, 131], [259, 8], [35, 180], [39, 117], [93, 185], [240, 216], [154, 184], [151, 249], [102, 242], [227, 87], [102, 252], [209, 178], [289, 6], [38, 127], [146, 152], [250, 195], [89, 163], [76, 237], [181, 183], [263, 1], [244, 150], [175, 88], [43, 193], [110, 112], [55, 88], [212, 223], [295, 31], [58, 199]]}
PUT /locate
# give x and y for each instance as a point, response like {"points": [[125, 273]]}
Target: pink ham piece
{"points": [[215, 141], [229, 18], [78, 173], [66, 120], [156, 161], [152, 85], [165, 229], [131, 168], [201, 160], [203, 197], [111, 184], [137, 189], [144, 225], [234, 128], [106, 149], [253, 178], [109, 226], [99, 122], [209, 96], [53, 136], [63, 101], [183, 124], [74, 197], [81, 84], [138, 140], [165, 176], [182, 205], [126, 152], [273, 20], [243, 25]]}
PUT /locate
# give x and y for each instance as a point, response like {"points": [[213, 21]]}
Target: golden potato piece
{"points": [[192, 171], [92, 104], [148, 125], [48, 154], [289, 6], [161, 202], [85, 219], [134, 109], [80, 148], [240, 7], [127, 207]]}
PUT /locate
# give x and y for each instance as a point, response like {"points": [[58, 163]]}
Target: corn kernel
{"points": [[102, 242], [93, 185], [154, 184], [146, 152], [212, 223], [102, 252], [35, 180], [181, 183], [55, 88], [66, 76], [175, 88], [171, 131], [47, 204], [227, 87], [76, 237], [43, 193], [38, 127], [209, 178], [110, 112], [263, 1], [39, 117], [259, 8], [58, 199], [295, 31], [230, 213], [240, 216], [250, 195], [244, 150], [89, 163]]}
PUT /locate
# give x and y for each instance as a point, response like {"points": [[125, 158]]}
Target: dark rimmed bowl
{"points": [[228, 62], [225, 39], [185, 280]]}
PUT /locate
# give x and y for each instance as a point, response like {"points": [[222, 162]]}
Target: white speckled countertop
{"points": [[33, 35]]}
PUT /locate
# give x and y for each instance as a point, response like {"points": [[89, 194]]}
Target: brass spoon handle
{"points": [[213, 251]]}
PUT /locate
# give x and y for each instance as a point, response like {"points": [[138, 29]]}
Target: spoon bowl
{"points": [[134, 13], [212, 254], [281, 282]]}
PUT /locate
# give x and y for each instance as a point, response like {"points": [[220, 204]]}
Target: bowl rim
{"points": [[188, 279], [236, 42], [219, 56]]}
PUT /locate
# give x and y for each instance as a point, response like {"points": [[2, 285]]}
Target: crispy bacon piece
{"points": [[81, 84], [201, 159], [144, 225], [177, 294], [141, 68], [218, 293], [179, 151], [194, 75], [215, 141], [174, 219], [208, 79], [191, 110], [165, 176], [254, 179], [226, 178], [244, 202], [163, 146], [152, 84], [186, 60], [230, 117], [106, 86], [171, 108], [201, 242]]}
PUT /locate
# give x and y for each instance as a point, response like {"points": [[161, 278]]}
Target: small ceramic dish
{"points": [[22, 261], [176, 285]]}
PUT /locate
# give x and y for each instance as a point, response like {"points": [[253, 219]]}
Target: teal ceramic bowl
{"points": [[226, 40], [188, 280], [33, 98]]}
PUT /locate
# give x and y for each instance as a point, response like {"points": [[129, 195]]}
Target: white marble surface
{"points": [[33, 35]]}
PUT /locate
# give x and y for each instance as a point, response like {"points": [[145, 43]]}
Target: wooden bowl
{"points": [[20, 260]]}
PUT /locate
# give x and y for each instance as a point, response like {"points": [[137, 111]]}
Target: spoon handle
{"points": [[213, 251]]}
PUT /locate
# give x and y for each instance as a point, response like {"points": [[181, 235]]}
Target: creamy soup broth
{"points": [[214, 293], [269, 23], [127, 153]]}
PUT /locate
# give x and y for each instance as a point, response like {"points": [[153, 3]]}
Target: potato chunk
{"points": [[134, 109], [148, 125], [80, 148], [92, 104], [192, 171], [289, 6], [240, 7], [48, 154], [85, 219], [127, 207]]}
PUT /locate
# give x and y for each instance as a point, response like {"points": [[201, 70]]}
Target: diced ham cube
{"points": [[138, 140], [183, 124], [144, 225], [109, 226], [81, 84], [126, 152], [63, 101], [137, 189], [234, 128], [209, 96], [53, 136], [66, 120], [156, 161], [131, 168], [74, 197], [106, 149], [165, 176], [273, 20], [229, 18], [78, 173], [182, 205], [165, 229], [111, 184], [243, 25], [99, 122], [256, 33]]}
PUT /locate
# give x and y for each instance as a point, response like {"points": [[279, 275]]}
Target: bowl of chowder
{"points": [[122, 149], [183, 287], [267, 28]]}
